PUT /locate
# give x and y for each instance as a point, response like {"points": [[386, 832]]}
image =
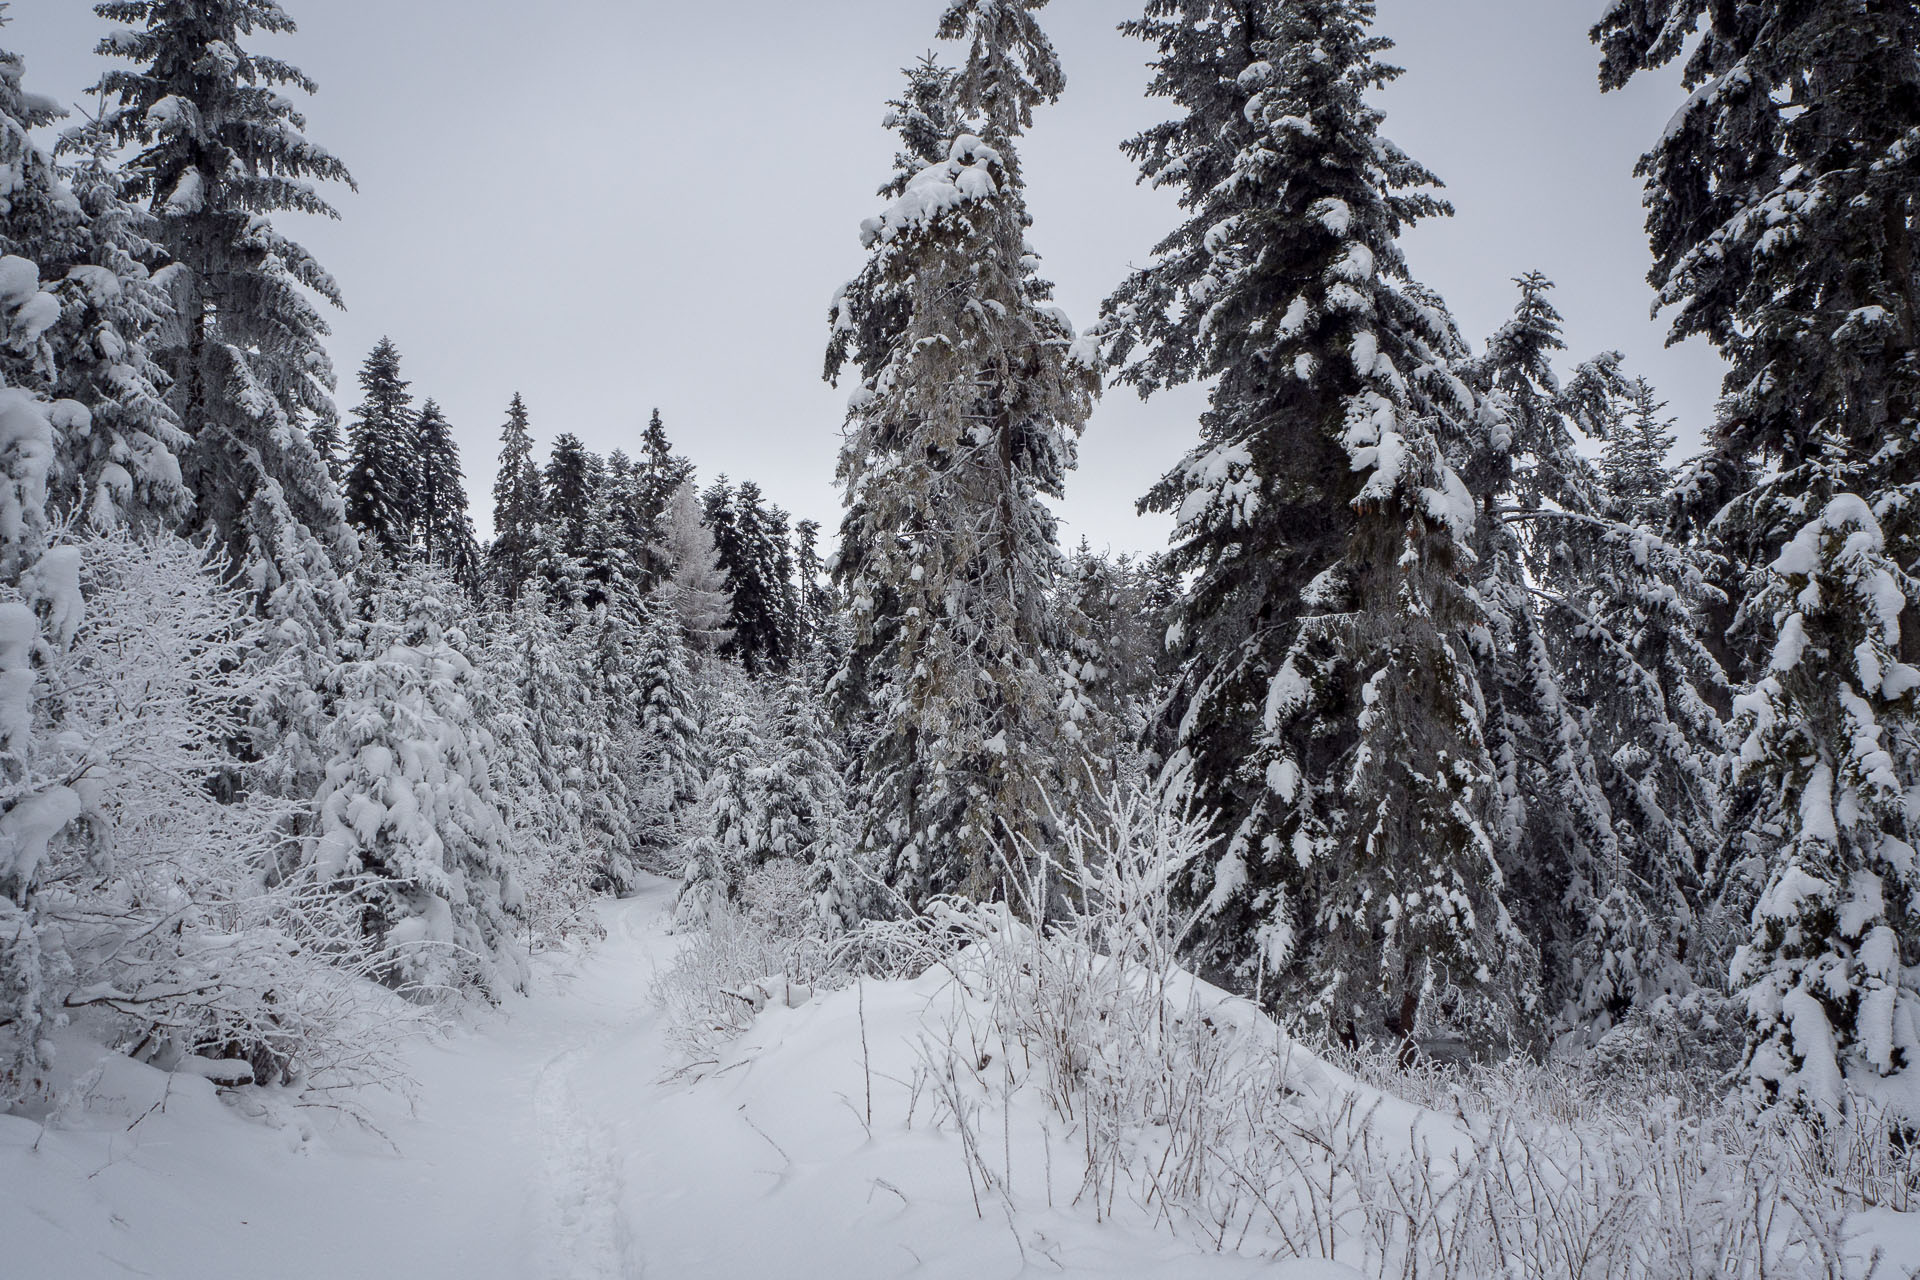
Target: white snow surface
{"points": [[561, 1136], [543, 1143]]}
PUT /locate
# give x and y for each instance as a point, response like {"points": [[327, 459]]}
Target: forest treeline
{"points": [[1511, 734]]}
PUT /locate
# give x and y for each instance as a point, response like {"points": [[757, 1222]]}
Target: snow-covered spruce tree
{"points": [[627, 536], [750, 541], [613, 762], [732, 814], [1118, 642], [1781, 214], [971, 393], [1827, 737], [571, 480], [665, 689], [519, 508], [802, 780], [1261, 505], [217, 148], [1323, 528], [123, 471], [382, 456], [694, 589], [814, 594], [407, 820], [442, 528], [1634, 464], [1592, 672]]}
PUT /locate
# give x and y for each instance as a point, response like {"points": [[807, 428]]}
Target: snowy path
{"points": [[544, 1146], [500, 1170]]}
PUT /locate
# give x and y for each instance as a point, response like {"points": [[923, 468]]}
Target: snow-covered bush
{"points": [[760, 945], [143, 893]]}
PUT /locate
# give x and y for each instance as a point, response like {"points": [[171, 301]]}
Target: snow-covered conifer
{"points": [[1323, 527], [442, 527], [751, 543], [216, 149], [382, 456], [664, 687], [1634, 465], [732, 816], [1780, 213], [519, 507], [971, 393], [407, 819], [1593, 677], [802, 781], [123, 471]]}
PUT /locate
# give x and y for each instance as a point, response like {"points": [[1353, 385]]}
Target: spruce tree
{"points": [[659, 471], [442, 528], [124, 470], [815, 605], [751, 541], [383, 456], [971, 394], [665, 691], [217, 148], [570, 482], [1325, 707], [802, 783], [1781, 214], [519, 507], [1593, 675], [1634, 464], [82, 314], [408, 819], [732, 815]]}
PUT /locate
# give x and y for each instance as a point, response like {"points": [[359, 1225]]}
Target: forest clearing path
{"points": [[504, 1166]]}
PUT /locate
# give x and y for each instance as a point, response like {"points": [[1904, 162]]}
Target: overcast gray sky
{"points": [[609, 205]]}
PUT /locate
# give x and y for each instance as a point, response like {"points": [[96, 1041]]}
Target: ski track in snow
{"points": [[586, 1235]]}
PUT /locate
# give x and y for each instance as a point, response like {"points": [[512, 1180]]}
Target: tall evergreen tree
{"points": [[1634, 466], [802, 780], [571, 483], [664, 687], [217, 148], [816, 604], [519, 507], [79, 332], [751, 541], [1781, 213], [442, 527], [1324, 708], [659, 471], [1592, 673], [971, 395], [732, 815], [383, 456]]}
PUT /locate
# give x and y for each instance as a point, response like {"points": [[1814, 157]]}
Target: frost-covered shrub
{"points": [[762, 944], [1196, 1107], [141, 894]]}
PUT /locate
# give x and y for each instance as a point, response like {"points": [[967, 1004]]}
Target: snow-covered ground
{"points": [[543, 1143], [558, 1138]]}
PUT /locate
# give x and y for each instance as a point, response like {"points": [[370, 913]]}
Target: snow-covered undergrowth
{"points": [[1080, 1069]]}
